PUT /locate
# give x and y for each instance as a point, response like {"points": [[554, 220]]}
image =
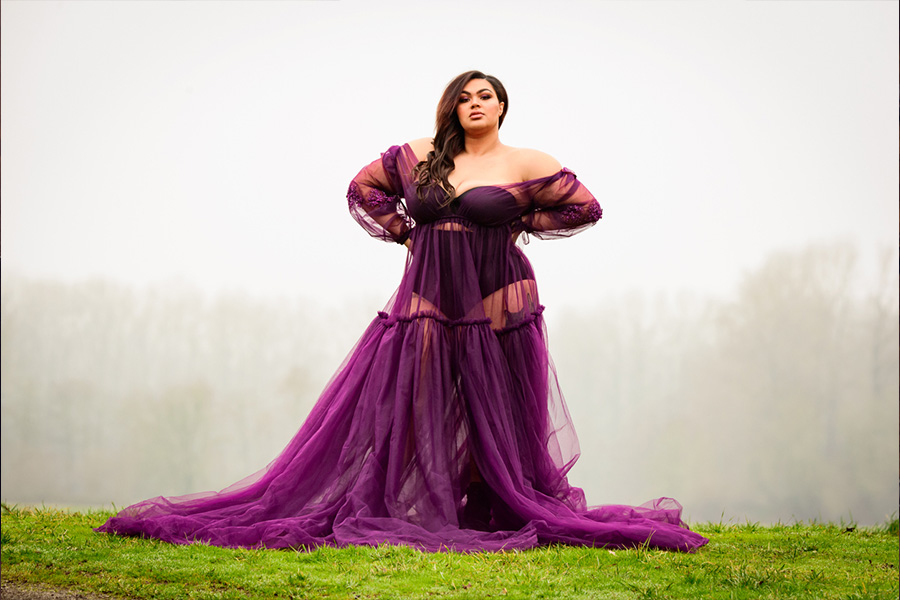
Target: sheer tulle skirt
{"points": [[443, 429]]}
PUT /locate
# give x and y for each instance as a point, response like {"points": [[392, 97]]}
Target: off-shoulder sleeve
{"points": [[561, 207], [374, 199]]}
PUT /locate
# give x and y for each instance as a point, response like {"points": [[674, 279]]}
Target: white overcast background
{"points": [[212, 142], [209, 145]]}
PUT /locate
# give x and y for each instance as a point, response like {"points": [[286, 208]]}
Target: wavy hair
{"points": [[449, 137]]}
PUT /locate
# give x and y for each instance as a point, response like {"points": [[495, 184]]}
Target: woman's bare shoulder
{"points": [[534, 164], [421, 147]]}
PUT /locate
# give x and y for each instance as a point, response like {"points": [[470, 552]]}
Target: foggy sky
{"points": [[212, 142]]}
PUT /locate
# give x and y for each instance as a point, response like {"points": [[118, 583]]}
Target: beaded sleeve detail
{"points": [[374, 200], [562, 207], [581, 214], [354, 196]]}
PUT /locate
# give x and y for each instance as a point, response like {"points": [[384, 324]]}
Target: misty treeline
{"points": [[780, 403], [777, 403]]}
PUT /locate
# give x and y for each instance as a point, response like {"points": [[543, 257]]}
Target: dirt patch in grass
{"points": [[15, 591]]}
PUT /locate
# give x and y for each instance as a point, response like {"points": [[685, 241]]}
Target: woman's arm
{"points": [[374, 199], [561, 205]]}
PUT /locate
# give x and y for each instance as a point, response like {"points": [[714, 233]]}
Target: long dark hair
{"points": [[449, 138]]}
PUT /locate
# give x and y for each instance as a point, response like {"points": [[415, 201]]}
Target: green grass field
{"points": [[59, 549]]}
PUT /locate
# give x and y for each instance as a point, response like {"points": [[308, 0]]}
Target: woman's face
{"points": [[478, 107]]}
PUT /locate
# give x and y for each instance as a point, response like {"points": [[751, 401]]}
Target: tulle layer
{"points": [[379, 461], [444, 429]]}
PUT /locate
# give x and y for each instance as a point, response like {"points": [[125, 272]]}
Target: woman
{"points": [[445, 427]]}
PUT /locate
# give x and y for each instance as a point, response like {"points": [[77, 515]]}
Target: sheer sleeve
{"points": [[374, 199], [561, 207]]}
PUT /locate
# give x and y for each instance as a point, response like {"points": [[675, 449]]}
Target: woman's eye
{"points": [[463, 99], [486, 97]]}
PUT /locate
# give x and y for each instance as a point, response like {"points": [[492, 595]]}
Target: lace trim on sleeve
{"points": [[375, 199], [354, 197], [575, 215]]}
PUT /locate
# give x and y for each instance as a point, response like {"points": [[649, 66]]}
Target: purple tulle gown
{"points": [[445, 428]]}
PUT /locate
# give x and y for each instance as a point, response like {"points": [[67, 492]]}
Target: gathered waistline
{"points": [[391, 320], [466, 221]]}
